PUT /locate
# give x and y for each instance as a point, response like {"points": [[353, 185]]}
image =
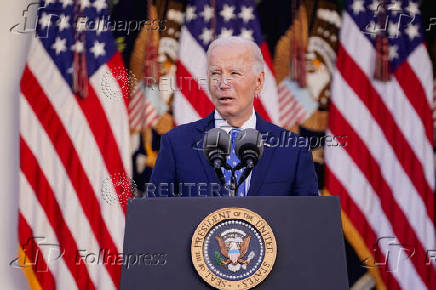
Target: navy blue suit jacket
{"points": [[285, 168]]}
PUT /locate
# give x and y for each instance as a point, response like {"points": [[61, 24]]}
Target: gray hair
{"points": [[258, 65]]}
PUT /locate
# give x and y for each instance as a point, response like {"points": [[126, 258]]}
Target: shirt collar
{"points": [[221, 123]]}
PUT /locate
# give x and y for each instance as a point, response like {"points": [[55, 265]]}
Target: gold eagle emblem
{"points": [[234, 252]]}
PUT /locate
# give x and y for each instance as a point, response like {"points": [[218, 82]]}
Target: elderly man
{"points": [[235, 78]]}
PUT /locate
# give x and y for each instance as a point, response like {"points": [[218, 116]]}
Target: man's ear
{"points": [[259, 83]]}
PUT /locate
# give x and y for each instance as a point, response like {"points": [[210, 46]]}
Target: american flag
{"points": [[434, 104], [145, 102], [384, 170], [205, 21], [292, 109], [72, 147], [142, 111]]}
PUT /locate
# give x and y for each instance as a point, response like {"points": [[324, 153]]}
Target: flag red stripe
{"points": [[293, 105], [138, 110], [360, 84], [287, 116], [287, 106], [258, 107], [267, 56], [33, 252], [301, 116], [136, 92], [135, 100], [135, 124], [149, 107], [150, 118], [104, 137], [137, 118], [292, 115], [149, 114], [192, 91], [285, 97], [116, 63], [360, 222], [37, 180], [283, 102], [416, 95], [68, 155], [361, 156], [297, 113]]}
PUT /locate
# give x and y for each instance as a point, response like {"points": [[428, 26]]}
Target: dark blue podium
{"points": [[307, 230]]}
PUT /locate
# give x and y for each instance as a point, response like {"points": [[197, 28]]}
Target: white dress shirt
{"points": [[250, 123]]}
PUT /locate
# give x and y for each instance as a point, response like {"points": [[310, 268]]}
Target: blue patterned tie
{"points": [[233, 160]]}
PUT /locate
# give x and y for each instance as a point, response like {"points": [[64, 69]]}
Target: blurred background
{"points": [[91, 85]]}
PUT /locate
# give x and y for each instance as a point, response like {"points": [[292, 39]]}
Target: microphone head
{"points": [[249, 146], [216, 145]]}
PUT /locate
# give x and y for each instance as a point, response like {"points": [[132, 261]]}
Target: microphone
{"points": [[249, 149], [216, 147]]}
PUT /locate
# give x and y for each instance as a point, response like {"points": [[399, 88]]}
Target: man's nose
{"points": [[224, 82]]}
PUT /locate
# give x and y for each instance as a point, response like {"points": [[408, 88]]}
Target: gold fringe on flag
{"points": [[382, 66], [299, 39], [80, 69], [143, 61]]}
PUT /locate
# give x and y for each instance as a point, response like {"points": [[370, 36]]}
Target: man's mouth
{"points": [[225, 99]]}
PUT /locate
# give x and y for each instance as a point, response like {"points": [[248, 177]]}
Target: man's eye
{"points": [[235, 73]]}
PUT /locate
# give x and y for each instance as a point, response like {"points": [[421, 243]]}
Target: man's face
{"points": [[232, 82]]}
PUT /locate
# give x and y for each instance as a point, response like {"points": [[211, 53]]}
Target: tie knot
{"points": [[234, 133]]}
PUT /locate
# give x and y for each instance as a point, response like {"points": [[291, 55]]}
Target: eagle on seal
{"points": [[235, 251]]}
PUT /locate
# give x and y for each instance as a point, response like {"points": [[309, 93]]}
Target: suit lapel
{"points": [[202, 127], [260, 170]]}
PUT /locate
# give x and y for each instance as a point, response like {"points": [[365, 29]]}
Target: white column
{"points": [[13, 51]]}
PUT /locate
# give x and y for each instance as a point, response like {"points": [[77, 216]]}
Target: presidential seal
{"points": [[233, 248]]}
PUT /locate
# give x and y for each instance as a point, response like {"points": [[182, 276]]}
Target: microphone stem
{"points": [[247, 170], [233, 186], [218, 172]]}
